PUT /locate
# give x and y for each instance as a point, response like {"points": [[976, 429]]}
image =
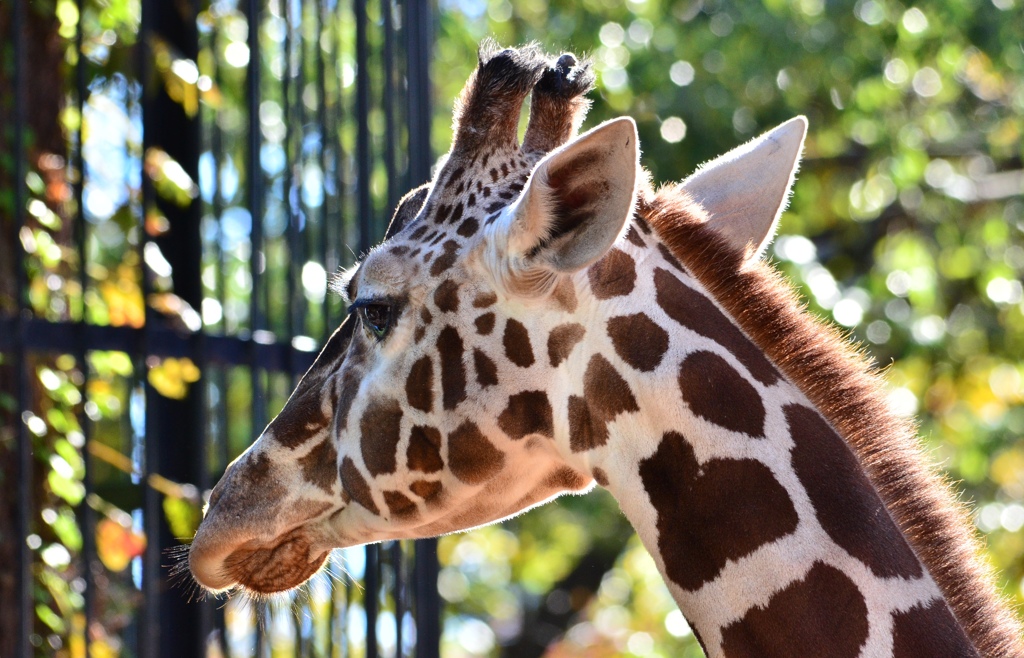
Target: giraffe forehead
{"points": [[385, 272]]}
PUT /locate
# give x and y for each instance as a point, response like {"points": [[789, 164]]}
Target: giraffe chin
{"points": [[269, 570]]}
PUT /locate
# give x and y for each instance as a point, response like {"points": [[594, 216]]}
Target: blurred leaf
{"points": [[183, 516], [171, 377], [117, 545]]}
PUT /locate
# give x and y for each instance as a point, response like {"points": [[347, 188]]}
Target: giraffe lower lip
{"points": [[282, 567]]}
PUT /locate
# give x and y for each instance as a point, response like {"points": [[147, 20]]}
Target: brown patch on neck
{"points": [[564, 294], [848, 392]]}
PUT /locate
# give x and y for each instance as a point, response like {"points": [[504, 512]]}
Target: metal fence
{"points": [[236, 154]]}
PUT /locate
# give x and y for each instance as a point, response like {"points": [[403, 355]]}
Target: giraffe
{"points": [[539, 319]]}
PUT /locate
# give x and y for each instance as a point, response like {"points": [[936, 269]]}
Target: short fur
{"points": [[846, 389]]}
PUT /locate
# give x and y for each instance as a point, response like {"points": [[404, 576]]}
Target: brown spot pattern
{"points": [[469, 227], [424, 452], [567, 479], [845, 502], [453, 371], [719, 394], [484, 324], [667, 254], [562, 339], [634, 236], [355, 486], [613, 276], [399, 504], [528, 412], [699, 314], [711, 513], [319, 466], [484, 299], [447, 297], [446, 259], [425, 489], [471, 457], [638, 340], [600, 476], [517, 344], [419, 386], [381, 430], [486, 371], [929, 631], [605, 395], [822, 615], [301, 419], [564, 294]]}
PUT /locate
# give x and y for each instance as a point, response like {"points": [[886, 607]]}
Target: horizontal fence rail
{"points": [[205, 167]]}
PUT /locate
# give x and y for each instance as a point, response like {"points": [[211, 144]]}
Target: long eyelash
{"points": [[340, 280], [358, 304]]}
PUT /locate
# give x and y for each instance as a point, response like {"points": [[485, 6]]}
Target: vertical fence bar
{"points": [[292, 216], [149, 635], [364, 205], [254, 171], [88, 515], [255, 194], [418, 30], [321, 120], [364, 211], [26, 611], [398, 559], [218, 379], [387, 98]]}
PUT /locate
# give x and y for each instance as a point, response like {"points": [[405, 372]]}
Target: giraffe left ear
{"points": [[576, 201], [745, 191]]}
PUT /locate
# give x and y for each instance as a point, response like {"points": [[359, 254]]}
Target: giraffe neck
{"points": [[768, 531]]}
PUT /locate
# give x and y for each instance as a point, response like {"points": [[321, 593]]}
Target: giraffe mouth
{"points": [[284, 566]]}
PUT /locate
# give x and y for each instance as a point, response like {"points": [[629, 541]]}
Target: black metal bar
{"points": [[218, 378], [299, 255], [398, 560], [26, 609], [287, 191], [321, 120], [257, 262], [418, 29], [62, 337], [255, 198], [371, 597], [364, 204], [87, 513], [149, 634], [390, 131]]}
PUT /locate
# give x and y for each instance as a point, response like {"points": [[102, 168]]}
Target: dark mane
{"points": [[846, 388]]}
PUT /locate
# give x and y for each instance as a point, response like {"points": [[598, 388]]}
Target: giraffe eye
{"points": [[377, 319]]}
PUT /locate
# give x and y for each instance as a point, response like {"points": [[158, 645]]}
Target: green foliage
{"points": [[905, 227]]}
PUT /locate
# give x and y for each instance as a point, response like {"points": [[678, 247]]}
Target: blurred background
{"points": [[152, 134]]}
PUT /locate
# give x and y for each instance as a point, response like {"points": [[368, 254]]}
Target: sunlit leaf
{"points": [[118, 545]]}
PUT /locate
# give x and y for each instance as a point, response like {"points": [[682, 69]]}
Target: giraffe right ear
{"points": [[576, 201]]}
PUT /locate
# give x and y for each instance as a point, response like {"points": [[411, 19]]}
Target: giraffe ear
{"points": [[576, 201], [745, 191]]}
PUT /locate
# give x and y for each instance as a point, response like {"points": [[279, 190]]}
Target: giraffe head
{"points": [[427, 411]]}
